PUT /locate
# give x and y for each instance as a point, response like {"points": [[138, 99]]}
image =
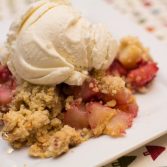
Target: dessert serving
{"points": [[65, 80]]}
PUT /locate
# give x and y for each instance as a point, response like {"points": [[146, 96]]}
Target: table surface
{"points": [[152, 16]]}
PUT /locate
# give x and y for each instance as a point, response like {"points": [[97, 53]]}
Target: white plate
{"points": [[150, 123]]}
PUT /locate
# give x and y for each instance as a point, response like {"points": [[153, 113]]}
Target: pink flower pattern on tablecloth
{"points": [[150, 14]]}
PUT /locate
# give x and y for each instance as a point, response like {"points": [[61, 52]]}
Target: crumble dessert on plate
{"points": [[65, 80]]}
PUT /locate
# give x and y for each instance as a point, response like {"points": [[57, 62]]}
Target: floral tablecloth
{"points": [[152, 16]]}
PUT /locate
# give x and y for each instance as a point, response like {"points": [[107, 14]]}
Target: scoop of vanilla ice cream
{"points": [[52, 43]]}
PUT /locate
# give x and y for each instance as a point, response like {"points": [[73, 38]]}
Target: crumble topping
{"points": [[35, 97], [131, 52], [33, 108], [35, 119], [57, 143], [111, 84]]}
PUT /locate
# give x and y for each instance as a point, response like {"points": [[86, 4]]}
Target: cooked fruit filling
{"points": [[96, 104], [7, 87], [134, 64]]}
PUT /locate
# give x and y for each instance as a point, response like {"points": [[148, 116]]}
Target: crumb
{"points": [[68, 102], [143, 89], [131, 52], [4, 109], [111, 103], [85, 134], [111, 84], [10, 150]]}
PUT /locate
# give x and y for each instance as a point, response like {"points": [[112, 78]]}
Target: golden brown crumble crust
{"points": [[131, 51], [111, 84], [35, 120]]}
